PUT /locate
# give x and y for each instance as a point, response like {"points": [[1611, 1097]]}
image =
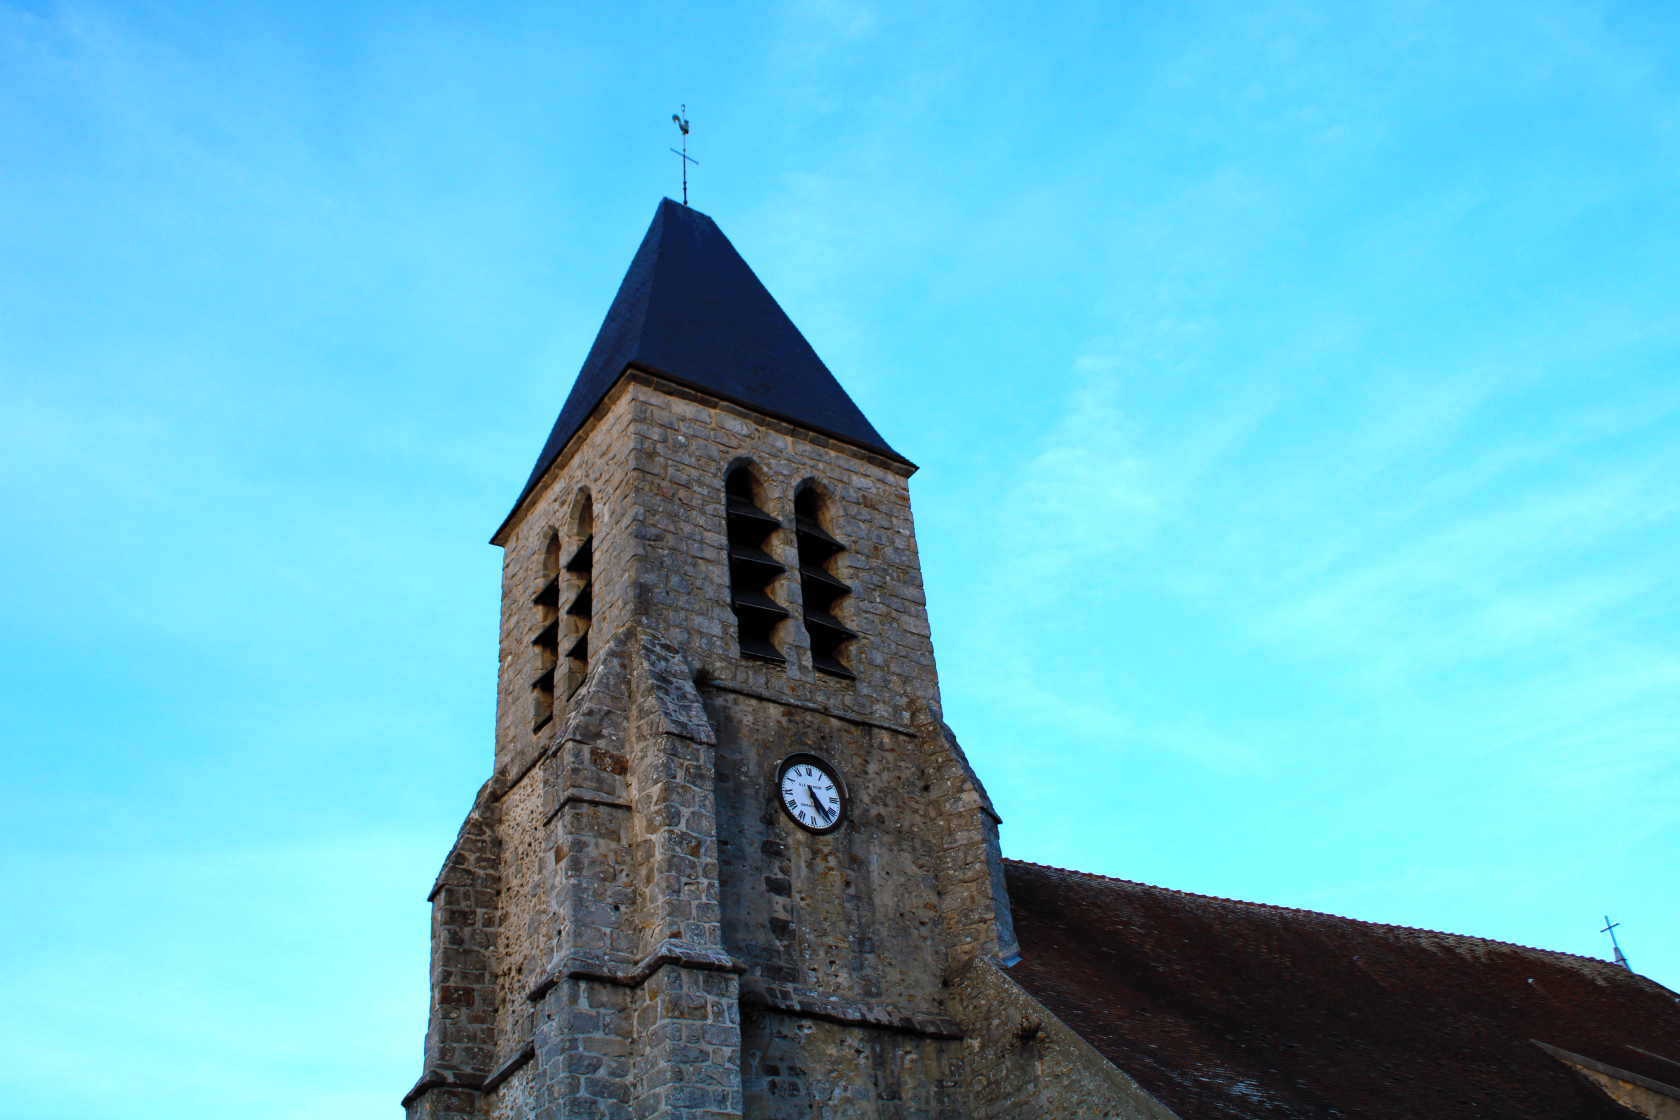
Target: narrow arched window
{"points": [[567, 583], [547, 640], [821, 590], [579, 578], [751, 569]]}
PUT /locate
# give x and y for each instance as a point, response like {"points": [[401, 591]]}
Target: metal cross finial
{"points": [[682, 123], [1610, 928]]}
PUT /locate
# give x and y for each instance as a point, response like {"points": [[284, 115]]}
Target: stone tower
{"points": [[731, 861]]}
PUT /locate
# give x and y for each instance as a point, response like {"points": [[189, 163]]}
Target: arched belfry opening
{"points": [[751, 569], [547, 642], [821, 590], [580, 583], [567, 582]]}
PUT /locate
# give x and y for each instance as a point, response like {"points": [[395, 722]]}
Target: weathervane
{"points": [[1610, 928], [682, 123]]}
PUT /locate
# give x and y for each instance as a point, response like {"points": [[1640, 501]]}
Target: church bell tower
{"points": [[731, 862]]}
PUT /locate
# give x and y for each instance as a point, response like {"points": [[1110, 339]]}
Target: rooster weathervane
{"points": [[682, 123]]}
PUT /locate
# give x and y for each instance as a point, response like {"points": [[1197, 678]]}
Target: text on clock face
{"points": [[810, 795]]}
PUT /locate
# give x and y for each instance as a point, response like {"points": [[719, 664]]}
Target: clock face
{"points": [[811, 792]]}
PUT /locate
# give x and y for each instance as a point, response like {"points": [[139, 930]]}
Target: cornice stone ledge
{"points": [[581, 967]]}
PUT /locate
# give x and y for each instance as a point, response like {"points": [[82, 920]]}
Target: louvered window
{"points": [[547, 641], [751, 569], [579, 579], [567, 583], [820, 589]]}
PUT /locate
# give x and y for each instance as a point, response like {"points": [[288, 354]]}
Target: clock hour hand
{"points": [[812, 794]]}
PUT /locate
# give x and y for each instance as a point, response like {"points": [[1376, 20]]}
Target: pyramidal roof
{"points": [[691, 311]]}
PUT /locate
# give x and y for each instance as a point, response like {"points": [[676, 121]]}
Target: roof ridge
{"points": [[1317, 913]]}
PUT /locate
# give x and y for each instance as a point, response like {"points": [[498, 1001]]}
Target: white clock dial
{"points": [[811, 793]]}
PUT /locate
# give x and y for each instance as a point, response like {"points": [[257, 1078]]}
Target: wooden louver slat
{"points": [[752, 570], [547, 640], [820, 588]]}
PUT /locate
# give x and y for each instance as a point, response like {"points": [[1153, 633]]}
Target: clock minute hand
{"points": [[812, 794]]}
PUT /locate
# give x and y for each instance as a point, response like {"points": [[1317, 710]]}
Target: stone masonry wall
{"points": [[594, 466], [973, 901], [849, 917], [801, 1068], [1646, 1102], [461, 1032], [585, 1025], [636, 1013], [686, 1057], [514, 1099], [848, 937], [525, 918], [1023, 1063]]}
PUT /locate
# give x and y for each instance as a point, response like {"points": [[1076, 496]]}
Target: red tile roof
{"points": [[1226, 1010]]}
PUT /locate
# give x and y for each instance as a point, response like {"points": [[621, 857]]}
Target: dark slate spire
{"points": [[690, 310]]}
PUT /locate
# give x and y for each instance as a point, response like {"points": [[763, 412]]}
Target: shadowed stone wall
{"points": [[1023, 1063]]}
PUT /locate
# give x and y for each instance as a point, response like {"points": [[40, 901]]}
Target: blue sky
{"points": [[1293, 386]]}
